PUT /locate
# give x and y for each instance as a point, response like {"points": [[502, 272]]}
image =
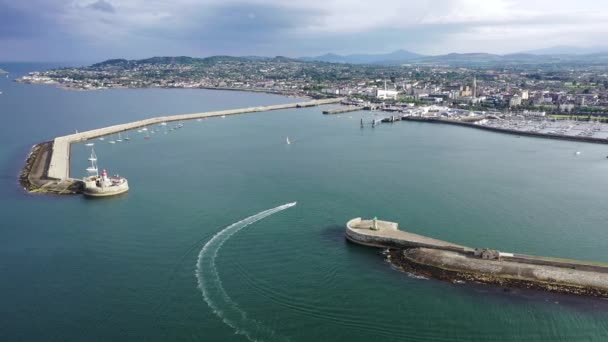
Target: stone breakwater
{"points": [[452, 266], [47, 168], [33, 177], [447, 261]]}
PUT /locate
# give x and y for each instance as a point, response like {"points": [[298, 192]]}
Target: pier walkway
{"points": [[388, 235], [59, 166]]}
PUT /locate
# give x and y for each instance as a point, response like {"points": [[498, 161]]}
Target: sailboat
{"points": [[147, 136], [112, 141], [89, 144], [127, 137], [92, 169], [288, 142], [119, 138]]}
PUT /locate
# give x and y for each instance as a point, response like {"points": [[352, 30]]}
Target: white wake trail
{"points": [[214, 294]]}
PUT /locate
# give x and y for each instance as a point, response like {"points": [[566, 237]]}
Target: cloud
{"points": [[103, 6], [140, 28]]}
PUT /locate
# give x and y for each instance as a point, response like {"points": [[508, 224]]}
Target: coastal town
{"points": [[577, 89], [563, 100]]}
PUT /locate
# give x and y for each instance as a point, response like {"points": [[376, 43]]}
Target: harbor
{"points": [[193, 182], [47, 168], [451, 262]]}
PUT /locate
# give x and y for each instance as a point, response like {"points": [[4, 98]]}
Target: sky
{"points": [[95, 30]]}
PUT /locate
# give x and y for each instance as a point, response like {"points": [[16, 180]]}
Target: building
{"points": [[386, 94], [487, 254], [474, 86], [515, 101], [529, 113]]}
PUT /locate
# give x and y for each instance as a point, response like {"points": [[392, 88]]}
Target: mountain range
{"points": [[558, 54], [552, 56], [395, 57]]}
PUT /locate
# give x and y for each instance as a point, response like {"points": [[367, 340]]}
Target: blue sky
{"points": [[93, 30]]}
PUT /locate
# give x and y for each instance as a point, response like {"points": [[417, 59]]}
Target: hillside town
{"points": [[537, 89]]}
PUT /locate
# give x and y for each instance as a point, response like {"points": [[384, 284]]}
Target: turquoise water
{"points": [[125, 268]]}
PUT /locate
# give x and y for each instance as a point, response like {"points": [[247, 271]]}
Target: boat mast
{"points": [[93, 168]]}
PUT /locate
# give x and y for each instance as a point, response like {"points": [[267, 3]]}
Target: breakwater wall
{"points": [[509, 131], [47, 167], [59, 166], [448, 261], [452, 266]]}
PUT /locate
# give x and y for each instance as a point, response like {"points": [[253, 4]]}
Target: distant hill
{"points": [[568, 50], [391, 59], [184, 60], [486, 59], [395, 57]]}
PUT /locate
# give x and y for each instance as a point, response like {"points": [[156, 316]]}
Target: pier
{"points": [[342, 110], [452, 262], [49, 163], [387, 235]]}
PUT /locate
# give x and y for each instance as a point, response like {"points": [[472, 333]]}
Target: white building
{"points": [[529, 113], [386, 94]]}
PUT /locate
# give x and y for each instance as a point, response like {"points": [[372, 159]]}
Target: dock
{"points": [[342, 110], [51, 160]]}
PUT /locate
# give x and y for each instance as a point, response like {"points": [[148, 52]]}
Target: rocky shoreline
{"points": [[33, 177], [410, 261]]}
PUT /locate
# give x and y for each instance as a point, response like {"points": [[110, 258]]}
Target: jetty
{"points": [[385, 234], [342, 110], [47, 168], [452, 262]]}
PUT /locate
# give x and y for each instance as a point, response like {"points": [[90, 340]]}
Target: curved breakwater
{"points": [[49, 172], [444, 260], [59, 166]]}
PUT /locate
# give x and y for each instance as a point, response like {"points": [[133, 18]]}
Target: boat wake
{"points": [[213, 292]]}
